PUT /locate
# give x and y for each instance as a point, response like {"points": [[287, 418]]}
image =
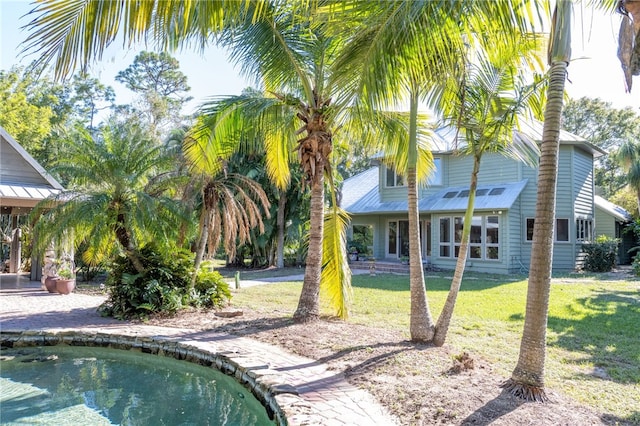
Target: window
{"points": [[483, 239], [445, 237], [392, 240], [561, 231], [393, 179], [436, 175], [530, 229], [584, 230]]}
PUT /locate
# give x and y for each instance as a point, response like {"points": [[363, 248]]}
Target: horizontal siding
{"points": [[564, 189], [15, 170], [605, 224], [583, 183], [494, 168]]}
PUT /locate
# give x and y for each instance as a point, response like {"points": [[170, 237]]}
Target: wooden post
{"points": [[15, 252]]}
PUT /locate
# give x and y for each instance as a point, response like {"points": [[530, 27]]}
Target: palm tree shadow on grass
{"points": [[607, 335], [248, 328]]}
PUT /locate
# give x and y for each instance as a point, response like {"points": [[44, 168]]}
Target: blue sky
{"points": [[594, 72]]}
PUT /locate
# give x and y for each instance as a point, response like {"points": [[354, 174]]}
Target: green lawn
{"points": [[593, 326]]}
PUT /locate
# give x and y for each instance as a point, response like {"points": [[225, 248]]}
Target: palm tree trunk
{"points": [[442, 327], [202, 243], [124, 238], [527, 379], [309, 304], [282, 203], [421, 324]]}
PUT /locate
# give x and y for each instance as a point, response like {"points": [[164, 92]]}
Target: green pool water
{"points": [[62, 385]]}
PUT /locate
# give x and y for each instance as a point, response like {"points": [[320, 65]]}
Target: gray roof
{"points": [[488, 197], [361, 196], [613, 209], [23, 182], [450, 139]]}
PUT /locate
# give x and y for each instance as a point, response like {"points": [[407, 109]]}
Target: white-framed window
{"points": [[435, 179], [584, 230], [484, 239], [561, 230], [392, 179]]}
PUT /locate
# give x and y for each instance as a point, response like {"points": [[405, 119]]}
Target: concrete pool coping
{"points": [[297, 390]]}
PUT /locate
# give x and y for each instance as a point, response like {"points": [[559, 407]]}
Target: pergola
{"points": [[23, 184]]}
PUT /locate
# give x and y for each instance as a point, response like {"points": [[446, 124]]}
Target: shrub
{"points": [[636, 265], [601, 254], [165, 286], [211, 289]]}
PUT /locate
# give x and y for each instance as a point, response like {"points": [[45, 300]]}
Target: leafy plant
{"points": [[164, 285], [601, 254]]}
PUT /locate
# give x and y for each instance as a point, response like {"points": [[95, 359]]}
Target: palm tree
{"points": [[428, 40], [117, 196], [629, 156], [527, 379], [232, 207], [484, 106]]}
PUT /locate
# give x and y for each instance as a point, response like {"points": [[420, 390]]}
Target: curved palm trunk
{"points": [[442, 327], [421, 323], [527, 379], [309, 304], [282, 203], [124, 238]]}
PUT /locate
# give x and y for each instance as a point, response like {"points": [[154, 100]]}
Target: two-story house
{"points": [[502, 227]]}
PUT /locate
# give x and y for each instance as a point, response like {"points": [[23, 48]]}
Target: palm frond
{"points": [[73, 33], [335, 282]]}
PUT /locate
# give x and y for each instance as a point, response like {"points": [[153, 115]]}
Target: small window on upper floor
{"points": [[393, 179]]}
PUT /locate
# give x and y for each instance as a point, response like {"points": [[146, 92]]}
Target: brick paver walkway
{"points": [[319, 396]]}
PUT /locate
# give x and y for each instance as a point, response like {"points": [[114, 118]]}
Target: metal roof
{"points": [[361, 196], [530, 130], [612, 209], [16, 192], [488, 197]]}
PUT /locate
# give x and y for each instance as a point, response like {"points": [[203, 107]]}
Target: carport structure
{"points": [[23, 184]]}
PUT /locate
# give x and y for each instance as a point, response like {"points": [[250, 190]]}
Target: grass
{"points": [[592, 327]]}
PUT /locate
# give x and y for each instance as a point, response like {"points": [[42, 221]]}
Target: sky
{"points": [[594, 72]]}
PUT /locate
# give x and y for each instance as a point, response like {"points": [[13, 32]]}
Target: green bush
{"points": [[601, 254], [165, 286], [636, 265], [211, 289]]}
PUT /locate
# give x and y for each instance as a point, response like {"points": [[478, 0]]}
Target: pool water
{"points": [[62, 385]]}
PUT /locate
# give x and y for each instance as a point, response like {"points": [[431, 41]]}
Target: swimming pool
{"points": [[93, 385]]}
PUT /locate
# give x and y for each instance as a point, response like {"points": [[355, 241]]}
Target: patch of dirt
{"points": [[419, 384]]}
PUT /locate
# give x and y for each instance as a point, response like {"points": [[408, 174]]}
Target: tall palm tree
{"points": [[289, 51], [527, 379], [484, 105], [117, 196], [427, 41]]}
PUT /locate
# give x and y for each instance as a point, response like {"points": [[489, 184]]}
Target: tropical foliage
{"points": [[163, 286], [527, 379], [118, 197], [484, 106]]}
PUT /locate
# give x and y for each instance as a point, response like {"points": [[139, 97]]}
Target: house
{"points": [[611, 221], [502, 228], [23, 183]]}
